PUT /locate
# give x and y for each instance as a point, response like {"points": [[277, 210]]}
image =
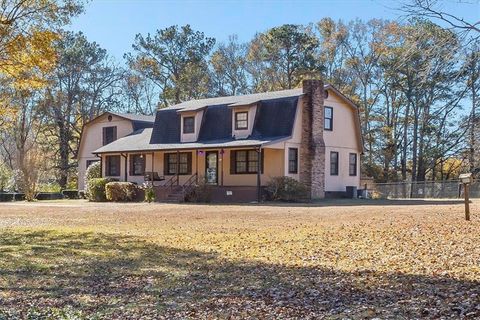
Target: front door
{"points": [[211, 167]]}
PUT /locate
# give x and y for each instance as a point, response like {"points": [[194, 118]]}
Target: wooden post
{"points": [[467, 201]]}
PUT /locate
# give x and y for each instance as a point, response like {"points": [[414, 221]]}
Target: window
{"points": [[137, 165], [90, 162], [292, 160], [184, 163], [109, 135], [352, 164], [244, 161], [112, 166], [241, 120], [328, 118], [188, 124], [334, 163]]}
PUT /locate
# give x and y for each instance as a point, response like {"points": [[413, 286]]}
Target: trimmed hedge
{"points": [[286, 189], [120, 191]]}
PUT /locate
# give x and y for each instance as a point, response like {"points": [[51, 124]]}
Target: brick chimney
{"points": [[312, 150]]}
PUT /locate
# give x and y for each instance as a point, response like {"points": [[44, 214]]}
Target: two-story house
{"points": [[103, 130], [238, 143]]}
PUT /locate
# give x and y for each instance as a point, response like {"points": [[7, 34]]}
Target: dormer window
{"points": [[241, 120], [188, 124]]}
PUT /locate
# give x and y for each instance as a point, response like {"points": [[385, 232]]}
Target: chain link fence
{"points": [[448, 189]]}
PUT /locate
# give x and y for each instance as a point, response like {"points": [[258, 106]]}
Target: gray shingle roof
{"points": [[273, 123], [139, 141], [232, 101], [135, 117]]}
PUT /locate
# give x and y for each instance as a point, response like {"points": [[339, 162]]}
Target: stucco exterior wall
{"points": [[344, 140], [274, 164], [92, 140]]}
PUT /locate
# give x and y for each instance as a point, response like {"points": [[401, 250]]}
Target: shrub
{"points": [[93, 171], [149, 192], [96, 189], [201, 192], [286, 189], [120, 191]]}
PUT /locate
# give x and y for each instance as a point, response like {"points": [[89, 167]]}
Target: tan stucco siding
{"points": [[274, 165], [344, 140], [92, 139]]}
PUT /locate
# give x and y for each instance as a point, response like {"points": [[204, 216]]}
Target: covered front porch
{"points": [[231, 174]]}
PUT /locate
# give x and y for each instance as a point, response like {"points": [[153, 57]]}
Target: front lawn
{"points": [[357, 260]]}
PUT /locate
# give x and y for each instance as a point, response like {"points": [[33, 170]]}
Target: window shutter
{"points": [[114, 133], [144, 163], [189, 163], [104, 136], [165, 164], [233, 159], [262, 160]]}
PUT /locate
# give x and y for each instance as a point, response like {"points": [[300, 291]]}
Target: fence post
{"points": [[467, 201]]}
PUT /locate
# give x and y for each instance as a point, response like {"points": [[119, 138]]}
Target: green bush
{"points": [[93, 171], [96, 189], [149, 193], [286, 189], [120, 191]]}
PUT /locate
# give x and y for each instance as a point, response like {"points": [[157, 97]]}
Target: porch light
{"points": [[200, 152], [222, 151]]}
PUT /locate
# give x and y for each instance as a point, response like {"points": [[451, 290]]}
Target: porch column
{"points": [[196, 166], [153, 161], [178, 167], [259, 175], [125, 156], [222, 151]]}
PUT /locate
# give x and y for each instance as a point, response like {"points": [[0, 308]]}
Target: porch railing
{"points": [[172, 182]]}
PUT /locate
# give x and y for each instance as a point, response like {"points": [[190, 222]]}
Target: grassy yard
{"points": [[336, 260]]}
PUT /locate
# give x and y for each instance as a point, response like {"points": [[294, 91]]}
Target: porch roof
{"points": [[140, 141]]}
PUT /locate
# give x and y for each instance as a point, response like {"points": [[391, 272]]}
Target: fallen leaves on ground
{"points": [[76, 260]]}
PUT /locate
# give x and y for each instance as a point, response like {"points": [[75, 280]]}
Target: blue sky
{"points": [[114, 23]]}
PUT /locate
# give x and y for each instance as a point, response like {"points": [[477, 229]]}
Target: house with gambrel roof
{"points": [[238, 143]]}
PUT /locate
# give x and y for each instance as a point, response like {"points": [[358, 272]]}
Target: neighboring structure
{"points": [[103, 130], [238, 143]]}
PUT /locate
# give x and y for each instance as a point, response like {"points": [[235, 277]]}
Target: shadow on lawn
{"points": [[125, 277]]}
